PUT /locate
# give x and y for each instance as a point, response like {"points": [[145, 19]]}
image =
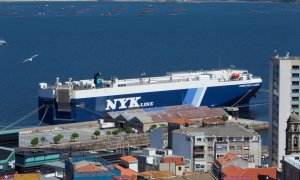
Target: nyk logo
{"points": [[124, 103]]}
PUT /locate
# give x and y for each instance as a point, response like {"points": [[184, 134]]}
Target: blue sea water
{"points": [[199, 36]]}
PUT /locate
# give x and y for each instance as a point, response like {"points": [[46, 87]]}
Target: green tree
{"points": [[115, 132], [74, 136], [224, 118], [129, 130], [57, 138], [35, 141], [97, 133], [43, 139], [153, 126], [108, 133]]}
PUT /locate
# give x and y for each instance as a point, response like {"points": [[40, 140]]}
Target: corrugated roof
{"points": [[182, 121], [129, 159]]}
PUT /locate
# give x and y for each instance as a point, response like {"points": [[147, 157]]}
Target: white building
{"points": [[283, 99], [203, 145]]}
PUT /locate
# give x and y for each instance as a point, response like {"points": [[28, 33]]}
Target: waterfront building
{"points": [[203, 145], [9, 138], [144, 119], [283, 99], [291, 167], [31, 160]]}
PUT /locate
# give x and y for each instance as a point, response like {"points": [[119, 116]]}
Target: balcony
{"points": [[295, 95], [295, 79], [295, 71]]}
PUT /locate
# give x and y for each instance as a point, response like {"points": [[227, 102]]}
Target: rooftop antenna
{"points": [[287, 55]]}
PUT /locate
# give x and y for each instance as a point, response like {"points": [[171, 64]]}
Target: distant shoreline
{"points": [[155, 1]]}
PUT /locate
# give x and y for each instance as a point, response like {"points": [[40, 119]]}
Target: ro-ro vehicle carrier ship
{"points": [[87, 100]]}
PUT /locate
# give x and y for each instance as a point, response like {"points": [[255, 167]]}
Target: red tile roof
{"points": [[89, 168], [213, 121], [128, 172], [182, 121], [176, 160], [231, 171], [129, 159], [227, 158]]}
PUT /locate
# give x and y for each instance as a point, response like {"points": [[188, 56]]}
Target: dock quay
{"points": [[253, 124]]}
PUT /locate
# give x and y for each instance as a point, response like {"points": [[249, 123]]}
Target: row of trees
{"points": [[56, 139]]}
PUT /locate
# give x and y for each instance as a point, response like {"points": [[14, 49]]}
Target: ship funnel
{"points": [[98, 80]]}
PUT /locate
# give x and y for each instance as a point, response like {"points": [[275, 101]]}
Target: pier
{"points": [[253, 124]]}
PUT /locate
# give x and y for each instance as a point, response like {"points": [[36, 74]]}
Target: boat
{"points": [[2, 42], [90, 99]]}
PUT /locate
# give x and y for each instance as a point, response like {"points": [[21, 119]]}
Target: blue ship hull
{"points": [[89, 109]]}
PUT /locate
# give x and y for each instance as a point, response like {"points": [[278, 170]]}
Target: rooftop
{"points": [[178, 160], [126, 171], [129, 159], [231, 130], [249, 172], [293, 160], [157, 174], [33, 152], [182, 121], [227, 158], [89, 168], [213, 120], [169, 113]]}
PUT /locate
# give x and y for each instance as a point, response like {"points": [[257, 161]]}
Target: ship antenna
{"points": [[219, 62]]}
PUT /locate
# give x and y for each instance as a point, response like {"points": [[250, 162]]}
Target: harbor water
{"points": [[77, 39]]}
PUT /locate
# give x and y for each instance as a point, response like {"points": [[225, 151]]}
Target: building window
{"points": [[199, 156], [295, 75], [224, 148], [246, 156], [239, 148], [179, 168], [231, 148], [230, 138], [295, 142], [246, 139], [210, 139], [219, 139], [295, 98], [295, 67], [246, 147], [295, 83], [199, 139], [295, 106], [210, 148], [295, 91], [197, 165]]}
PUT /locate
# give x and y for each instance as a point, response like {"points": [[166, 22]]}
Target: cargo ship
{"points": [[87, 100]]}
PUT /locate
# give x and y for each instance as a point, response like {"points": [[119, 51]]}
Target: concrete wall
{"points": [[182, 145], [157, 138]]}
